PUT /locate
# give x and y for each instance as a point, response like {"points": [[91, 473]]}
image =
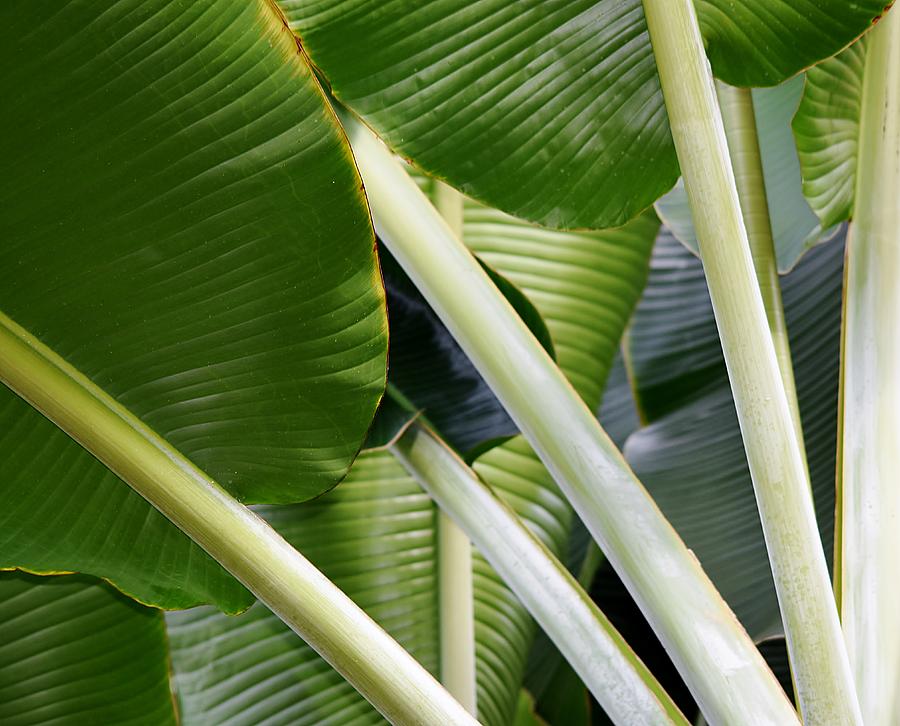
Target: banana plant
{"points": [[194, 321]]}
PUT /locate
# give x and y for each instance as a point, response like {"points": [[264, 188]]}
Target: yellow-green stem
{"points": [[870, 491], [818, 655], [457, 602], [713, 653], [593, 558], [240, 540]]}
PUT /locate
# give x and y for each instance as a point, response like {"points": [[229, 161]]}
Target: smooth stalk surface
{"points": [[746, 160], [236, 537], [818, 656], [593, 558], [457, 602], [619, 681], [870, 487], [710, 648]]}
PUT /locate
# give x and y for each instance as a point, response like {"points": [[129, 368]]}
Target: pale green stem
{"points": [[619, 681], [739, 120], [870, 582], [746, 160], [457, 602], [457, 612], [818, 655], [712, 651], [231, 533]]}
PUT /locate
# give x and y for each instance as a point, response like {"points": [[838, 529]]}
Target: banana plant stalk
{"points": [[715, 656], [739, 120], [457, 601], [619, 681], [231, 533], [818, 656], [870, 487]]}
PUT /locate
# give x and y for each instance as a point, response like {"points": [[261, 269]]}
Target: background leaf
{"points": [[690, 453], [75, 651], [827, 131], [185, 226], [432, 372]]}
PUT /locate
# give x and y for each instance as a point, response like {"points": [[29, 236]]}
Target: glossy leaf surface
{"points": [[184, 225], [763, 42]]}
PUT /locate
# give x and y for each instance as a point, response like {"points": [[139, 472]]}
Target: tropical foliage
{"points": [[436, 362]]}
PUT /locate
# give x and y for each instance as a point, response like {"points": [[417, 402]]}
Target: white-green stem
{"points": [[457, 602], [619, 681], [240, 540], [717, 659], [746, 160], [818, 656], [870, 571]]}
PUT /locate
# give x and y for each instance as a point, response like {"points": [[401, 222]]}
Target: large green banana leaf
{"points": [[182, 223], [75, 651], [795, 227], [690, 454], [549, 110], [827, 131]]}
